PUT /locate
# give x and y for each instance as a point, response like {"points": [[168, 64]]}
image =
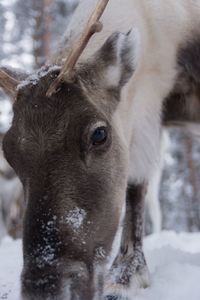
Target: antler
{"points": [[8, 83], [93, 26]]}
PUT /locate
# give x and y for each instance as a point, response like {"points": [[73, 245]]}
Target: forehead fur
{"points": [[85, 90], [33, 90], [42, 122]]}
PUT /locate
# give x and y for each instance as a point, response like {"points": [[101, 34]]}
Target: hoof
{"points": [[116, 291]]}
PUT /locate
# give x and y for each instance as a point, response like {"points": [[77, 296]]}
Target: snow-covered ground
{"points": [[173, 259]]}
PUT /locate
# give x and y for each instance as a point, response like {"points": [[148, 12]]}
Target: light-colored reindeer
{"points": [[84, 138]]}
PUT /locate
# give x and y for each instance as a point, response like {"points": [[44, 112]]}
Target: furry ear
{"points": [[9, 80], [111, 67], [118, 58]]}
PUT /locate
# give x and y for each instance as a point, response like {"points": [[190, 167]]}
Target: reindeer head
{"points": [[67, 150]]}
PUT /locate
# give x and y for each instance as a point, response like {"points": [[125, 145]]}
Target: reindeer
{"points": [[84, 142]]}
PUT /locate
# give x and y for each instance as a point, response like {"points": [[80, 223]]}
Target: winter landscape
{"points": [[29, 33]]}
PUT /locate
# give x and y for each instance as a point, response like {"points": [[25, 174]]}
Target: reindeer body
{"points": [[83, 149]]}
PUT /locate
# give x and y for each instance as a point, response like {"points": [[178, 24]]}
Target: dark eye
{"points": [[99, 136]]}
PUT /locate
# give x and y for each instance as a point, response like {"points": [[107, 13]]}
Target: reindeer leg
{"points": [[129, 271]]}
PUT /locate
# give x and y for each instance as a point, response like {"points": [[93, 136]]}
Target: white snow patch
{"points": [[182, 241], [75, 217], [173, 259], [10, 268]]}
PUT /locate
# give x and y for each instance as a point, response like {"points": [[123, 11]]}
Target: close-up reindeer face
{"points": [[68, 152], [85, 142]]}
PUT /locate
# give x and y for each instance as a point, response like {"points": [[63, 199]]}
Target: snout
{"points": [[77, 283]]}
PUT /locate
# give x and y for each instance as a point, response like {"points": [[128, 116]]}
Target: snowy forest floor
{"points": [[173, 260]]}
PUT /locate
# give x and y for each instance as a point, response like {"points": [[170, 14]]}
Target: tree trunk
{"points": [[42, 31]]}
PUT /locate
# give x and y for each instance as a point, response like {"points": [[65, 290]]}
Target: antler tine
{"points": [[93, 26], [8, 83]]}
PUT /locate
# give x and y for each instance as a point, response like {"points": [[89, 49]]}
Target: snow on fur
{"points": [[35, 77], [75, 218]]}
